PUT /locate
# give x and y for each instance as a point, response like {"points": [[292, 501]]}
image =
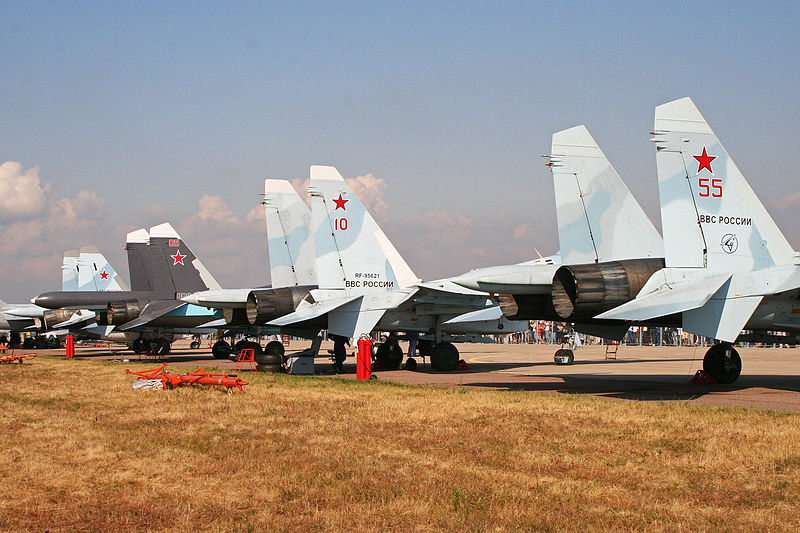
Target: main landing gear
{"points": [[159, 346], [722, 362]]}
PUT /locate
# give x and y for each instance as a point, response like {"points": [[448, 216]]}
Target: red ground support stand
{"points": [[703, 378], [70, 346], [246, 357], [364, 358], [611, 349]]}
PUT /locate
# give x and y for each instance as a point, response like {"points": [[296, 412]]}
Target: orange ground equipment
{"points": [[15, 357], [364, 358], [247, 357], [198, 377]]}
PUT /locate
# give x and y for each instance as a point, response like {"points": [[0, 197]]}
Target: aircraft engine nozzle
{"points": [[51, 317], [121, 312], [584, 291], [235, 316], [269, 304]]}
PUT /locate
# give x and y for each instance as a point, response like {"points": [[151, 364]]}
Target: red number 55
{"points": [[715, 190]]}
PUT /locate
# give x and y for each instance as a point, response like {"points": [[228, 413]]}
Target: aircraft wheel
{"points": [[272, 367], [28, 343], [269, 359], [194, 345], [161, 346], [221, 350], [138, 346], [564, 357], [722, 362], [424, 348], [274, 348], [40, 343], [411, 364], [389, 355], [444, 356]]}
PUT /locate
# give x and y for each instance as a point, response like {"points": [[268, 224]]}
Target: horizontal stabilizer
{"points": [[77, 318], [490, 313], [306, 311], [152, 311], [668, 299]]}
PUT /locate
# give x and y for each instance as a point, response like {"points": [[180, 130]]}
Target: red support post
{"points": [[70, 346], [364, 358]]}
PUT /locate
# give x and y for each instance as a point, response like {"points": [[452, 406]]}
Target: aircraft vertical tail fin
{"points": [[176, 271], [139, 263], [95, 273], [69, 271], [598, 217], [710, 215], [352, 251], [289, 238]]}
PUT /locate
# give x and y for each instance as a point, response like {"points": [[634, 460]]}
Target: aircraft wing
{"points": [[152, 311]]}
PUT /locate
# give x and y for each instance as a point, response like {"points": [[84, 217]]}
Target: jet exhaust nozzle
{"points": [[584, 291], [269, 304]]}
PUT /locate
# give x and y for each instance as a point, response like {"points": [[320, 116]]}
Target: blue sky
{"points": [[151, 107]]}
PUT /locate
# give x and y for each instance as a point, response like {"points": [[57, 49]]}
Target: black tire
{"points": [[194, 345], [424, 348], [722, 362], [28, 343], [276, 368], [241, 345], [268, 359], [274, 348], [564, 357], [389, 355], [161, 346], [137, 346], [411, 364], [444, 356], [40, 343], [53, 342], [221, 350]]}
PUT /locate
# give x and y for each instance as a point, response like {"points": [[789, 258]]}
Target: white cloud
{"points": [[21, 193], [371, 191], [214, 208]]}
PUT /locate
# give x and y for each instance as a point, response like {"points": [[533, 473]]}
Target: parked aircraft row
{"points": [[722, 267]]}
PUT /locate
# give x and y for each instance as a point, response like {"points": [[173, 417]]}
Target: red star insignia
{"points": [[340, 202], [178, 258], [104, 274], [704, 161]]}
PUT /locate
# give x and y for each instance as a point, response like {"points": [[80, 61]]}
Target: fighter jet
{"points": [[365, 285], [603, 234], [163, 269], [292, 272], [727, 265], [21, 317]]}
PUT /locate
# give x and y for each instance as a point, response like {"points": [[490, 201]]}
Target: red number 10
{"points": [[340, 224]]}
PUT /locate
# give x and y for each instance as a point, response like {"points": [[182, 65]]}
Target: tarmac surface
{"points": [[770, 376]]}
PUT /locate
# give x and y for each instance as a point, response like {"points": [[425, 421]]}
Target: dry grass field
{"points": [[81, 450]]}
